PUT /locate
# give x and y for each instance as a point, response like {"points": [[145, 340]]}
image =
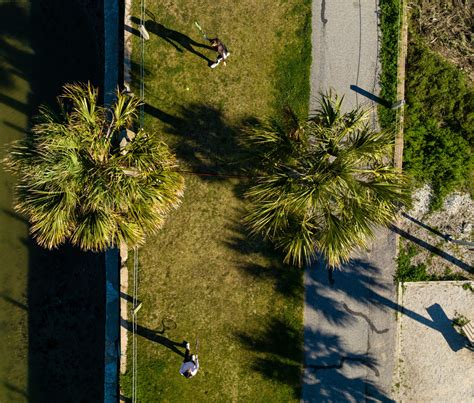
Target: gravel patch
{"points": [[436, 229], [434, 363]]}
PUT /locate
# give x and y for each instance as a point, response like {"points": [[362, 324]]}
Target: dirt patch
{"points": [[434, 362]]}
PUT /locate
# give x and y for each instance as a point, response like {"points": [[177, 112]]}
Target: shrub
{"points": [[408, 272], [389, 21], [439, 126]]}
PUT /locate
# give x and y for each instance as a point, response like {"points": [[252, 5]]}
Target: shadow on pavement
{"points": [[444, 325], [339, 375]]}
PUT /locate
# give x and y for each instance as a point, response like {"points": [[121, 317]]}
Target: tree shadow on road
{"points": [[356, 284], [333, 373]]}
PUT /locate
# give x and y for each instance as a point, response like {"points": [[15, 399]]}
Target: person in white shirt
{"points": [[190, 365]]}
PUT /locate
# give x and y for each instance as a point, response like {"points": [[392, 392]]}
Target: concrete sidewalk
{"points": [[345, 40], [349, 325]]}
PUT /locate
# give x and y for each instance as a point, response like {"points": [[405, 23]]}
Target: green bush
{"points": [[439, 127], [408, 272], [389, 20]]}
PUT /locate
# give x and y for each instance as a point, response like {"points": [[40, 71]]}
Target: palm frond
{"points": [[327, 193], [74, 185]]}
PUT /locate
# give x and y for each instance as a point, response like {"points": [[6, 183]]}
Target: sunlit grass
{"points": [[202, 271]]}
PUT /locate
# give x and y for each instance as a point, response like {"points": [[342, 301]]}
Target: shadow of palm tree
{"points": [[14, 59], [48, 43], [279, 354], [357, 283], [204, 140], [338, 374], [287, 279]]}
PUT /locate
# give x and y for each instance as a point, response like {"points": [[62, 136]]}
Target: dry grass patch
{"points": [[447, 27]]}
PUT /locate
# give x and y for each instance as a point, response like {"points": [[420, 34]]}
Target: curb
{"points": [[127, 79], [112, 276], [398, 341], [424, 283], [398, 151]]}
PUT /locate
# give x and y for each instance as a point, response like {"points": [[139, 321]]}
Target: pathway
{"points": [[349, 325]]}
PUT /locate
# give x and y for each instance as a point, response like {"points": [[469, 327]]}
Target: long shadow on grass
{"points": [[156, 336], [49, 43], [277, 352], [14, 59], [204, 140], [176, 39], [287, 280]]}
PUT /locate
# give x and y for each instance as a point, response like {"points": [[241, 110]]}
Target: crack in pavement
{"points": [[363, 361], [371, 325], [323, 12]]}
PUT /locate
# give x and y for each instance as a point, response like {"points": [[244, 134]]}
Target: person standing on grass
{"points": [[190, 365], [222, 52]]}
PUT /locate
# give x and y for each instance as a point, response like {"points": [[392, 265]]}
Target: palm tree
{"points": [[323, 185], [86, 178]]}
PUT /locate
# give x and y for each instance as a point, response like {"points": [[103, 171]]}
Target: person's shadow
{"points": [[155, 336], [175, 38]]}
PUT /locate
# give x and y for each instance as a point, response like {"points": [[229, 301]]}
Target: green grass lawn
{"points": [[51, 303], [14, 91], [202, 271]]}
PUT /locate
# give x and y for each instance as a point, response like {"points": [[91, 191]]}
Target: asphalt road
{"points": [[350, 324]]}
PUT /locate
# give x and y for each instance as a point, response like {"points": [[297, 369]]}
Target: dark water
{"points": [[51, 303]]}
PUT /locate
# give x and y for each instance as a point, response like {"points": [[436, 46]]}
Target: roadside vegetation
{"points": [[439, 123], [201, 272], [407, 271], [439, 129], [390, 27]]}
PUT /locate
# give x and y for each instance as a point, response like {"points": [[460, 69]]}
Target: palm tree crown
{"points": [[323, 184], [84, 176]]}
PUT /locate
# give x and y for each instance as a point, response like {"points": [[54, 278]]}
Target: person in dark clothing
{"points": [[222, 52]]}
